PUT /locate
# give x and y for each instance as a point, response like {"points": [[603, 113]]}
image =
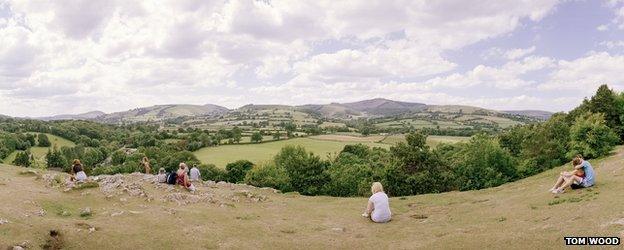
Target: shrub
{"points": [[482, 163], [591, 137], [55, 159], [43, 140], [211, 172], [22, 159], [416, 169], [118, 157], [256, 137], [305, 170], [236, 171], [349, 176], [269, 175]]}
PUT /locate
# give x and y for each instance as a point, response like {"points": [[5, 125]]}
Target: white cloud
{"points": [[587, 73], [603, 27], [115, 55], [612, 44], [519, 53], [508, 76]]}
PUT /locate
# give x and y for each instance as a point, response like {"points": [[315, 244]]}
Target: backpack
{"points": [[172, 178]]}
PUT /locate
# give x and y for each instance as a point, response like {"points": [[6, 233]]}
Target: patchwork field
{"points": [[256, 153], [432, 140], [519, 215]]}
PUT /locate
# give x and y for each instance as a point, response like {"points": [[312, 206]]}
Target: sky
{"points": [[74, 56]]}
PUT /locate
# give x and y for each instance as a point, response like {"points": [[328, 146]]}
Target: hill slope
{"points": [[238, 216], [84, 116], [162, 112]]}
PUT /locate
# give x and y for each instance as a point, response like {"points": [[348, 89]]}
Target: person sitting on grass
{"points": [[162, 176], [581, 177], [378, 209], [183, 179], [194, 173], [78, 173]]}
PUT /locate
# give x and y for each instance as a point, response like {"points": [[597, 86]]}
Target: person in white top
{"points": [[195, 174], [162, 176], [81, 176], [378, 209]]}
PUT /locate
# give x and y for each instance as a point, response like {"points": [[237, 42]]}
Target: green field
{"points": [[432, 140], [416, 123], [256, 153], [40, 152]]}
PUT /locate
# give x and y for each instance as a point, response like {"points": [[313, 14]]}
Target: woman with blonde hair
{"points": [[378, 209], [182, 177], [146, 165]]}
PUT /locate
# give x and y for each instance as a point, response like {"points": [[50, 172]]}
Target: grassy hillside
{"points": [[40, 152], [222, 155], [520, 215]]}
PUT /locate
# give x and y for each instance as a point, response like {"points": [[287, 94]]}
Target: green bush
{"points": [[269, 175], [349, 176], [305, 170], [22, 159], [236, 171], [55, 159], [118, 157], [416, 169], [482, 163], [43, 140], [591, 137], [211, 172]]}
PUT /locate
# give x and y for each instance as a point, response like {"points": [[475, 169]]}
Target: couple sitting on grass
{"points": [[581, 177]]}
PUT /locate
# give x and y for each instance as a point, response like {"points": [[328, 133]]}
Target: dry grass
{"points": [[520, 215]]}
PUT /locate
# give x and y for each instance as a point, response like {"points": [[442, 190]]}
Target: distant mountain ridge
{"points": [[84, 116], [378, 107], [163, 112]]}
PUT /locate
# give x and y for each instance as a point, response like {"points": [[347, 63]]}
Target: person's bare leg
{"points": [[569, 181], [559, 182]]}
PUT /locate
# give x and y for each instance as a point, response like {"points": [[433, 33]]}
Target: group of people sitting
{"points": [[378, 208], [183, 176]]}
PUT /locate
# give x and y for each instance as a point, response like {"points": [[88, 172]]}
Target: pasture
{"points": [[257, 153]]}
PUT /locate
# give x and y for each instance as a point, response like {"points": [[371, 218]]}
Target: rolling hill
{"points": [[132, 212], [308, 114], [84, 116], [163, 112]]}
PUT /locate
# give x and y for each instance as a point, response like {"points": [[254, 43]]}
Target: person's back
{"points": [[81, 176], [589, 174], [194, 174], [381, 213]]}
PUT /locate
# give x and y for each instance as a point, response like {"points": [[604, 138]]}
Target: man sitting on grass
{"points": [[581, 177]]}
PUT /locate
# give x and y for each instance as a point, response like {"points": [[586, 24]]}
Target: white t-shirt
{"points": [[382, 207], [162, 178], [195, 174], [81, 176]]}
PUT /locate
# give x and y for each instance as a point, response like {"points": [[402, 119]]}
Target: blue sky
{"points": [[80, 55]]}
